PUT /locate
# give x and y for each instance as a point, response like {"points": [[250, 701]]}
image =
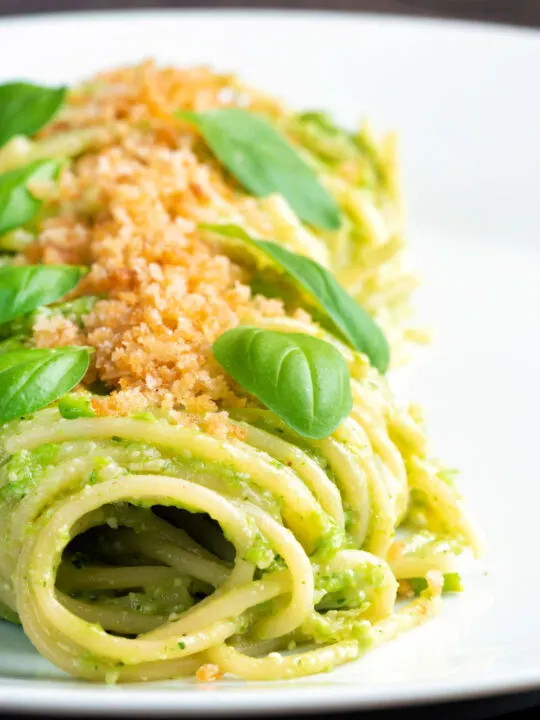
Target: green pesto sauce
{"points": [[347, 588], [334, 146], [335, 626], [448, 475], [147, 416], [22, 471], [8, 614], [260, 553], [452, 584], [332, 537], [74, 406], [153, 600]]}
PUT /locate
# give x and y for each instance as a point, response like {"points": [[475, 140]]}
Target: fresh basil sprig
{"points": [[32, 379], [17, 204], [25, 108], [264, 162], [23, 288], [303, 380], [322, 290]]}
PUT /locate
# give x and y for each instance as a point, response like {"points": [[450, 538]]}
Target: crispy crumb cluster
{"points": [[209, 673], [130, 211]]}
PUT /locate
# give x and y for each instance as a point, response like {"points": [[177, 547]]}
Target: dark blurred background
{"points": [[516, 12]]}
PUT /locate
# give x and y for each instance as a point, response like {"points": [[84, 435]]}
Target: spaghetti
{"points": [[288, 543], [160, 521]]}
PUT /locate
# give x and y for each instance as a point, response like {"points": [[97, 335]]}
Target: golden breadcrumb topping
{"points": [[209, 673], [56, 330], [130, 211]]}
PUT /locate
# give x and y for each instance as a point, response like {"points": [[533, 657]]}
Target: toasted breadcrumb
{"points": [[131, 211], [217, 424], [146, 91], [56, 330], [405, 589], [209, 673]]}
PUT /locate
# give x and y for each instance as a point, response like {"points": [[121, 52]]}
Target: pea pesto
{"points": [[203, 468]]}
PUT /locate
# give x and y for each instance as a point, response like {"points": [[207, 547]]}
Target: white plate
{"points": [[466, 100]]}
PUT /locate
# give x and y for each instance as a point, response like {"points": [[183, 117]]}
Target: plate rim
{"points": [[182, 701], [296, 14]]}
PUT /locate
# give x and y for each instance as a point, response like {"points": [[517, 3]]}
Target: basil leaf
{"points": [[24, 288], [264, 162], [323, 291], [303, 380], [32, 379], [25, 108], [17, 204]]}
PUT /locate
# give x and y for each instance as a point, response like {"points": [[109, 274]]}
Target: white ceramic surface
{"points": [[465, 98]]}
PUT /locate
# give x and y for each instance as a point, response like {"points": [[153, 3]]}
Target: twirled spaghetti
{"points": [[161, 521], [106, 578]]}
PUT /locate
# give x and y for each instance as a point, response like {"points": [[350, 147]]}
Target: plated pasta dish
{"points": [[203, 469]]}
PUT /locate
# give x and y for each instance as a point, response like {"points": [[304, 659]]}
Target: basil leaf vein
{"points": [[32, 379], [264, 162], [25, 108], [303, 380], [322, 290], [26, 287], [17, 204]]}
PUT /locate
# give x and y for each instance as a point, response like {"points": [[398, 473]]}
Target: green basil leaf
{"points": [[17, 204], [25, 108], [321, 290], [23, 288], [264, 162], [303, 380], [32, 379]]}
